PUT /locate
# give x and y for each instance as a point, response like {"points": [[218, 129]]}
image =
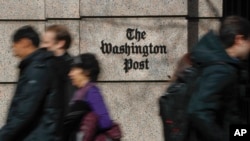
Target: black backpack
{"points": [[174, 102], [176, 98]]}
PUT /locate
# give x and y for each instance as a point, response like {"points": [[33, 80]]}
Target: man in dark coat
{"points": [[35, 109], [214, 105], [57, 39]]}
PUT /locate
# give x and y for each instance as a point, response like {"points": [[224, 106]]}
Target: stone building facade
{"points": [[137, 41]]}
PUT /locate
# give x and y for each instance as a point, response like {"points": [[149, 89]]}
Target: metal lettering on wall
{"points": [[133, 48]]}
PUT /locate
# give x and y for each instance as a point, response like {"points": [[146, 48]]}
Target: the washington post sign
{"points": [[135, 49], [129, 49]]}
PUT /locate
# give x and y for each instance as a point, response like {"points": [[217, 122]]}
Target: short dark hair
{"points": [[232, 26], [89, 63], [28, 32], [61, 33]]}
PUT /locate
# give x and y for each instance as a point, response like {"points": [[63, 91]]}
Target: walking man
{"points": [[35, 109], [214, 104], [57, 39]]}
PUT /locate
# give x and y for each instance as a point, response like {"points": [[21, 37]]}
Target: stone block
{"points": [[197, 28], [22, 9], [62, 9], [6, 94], [142, 48], [135, 107], [74, 28], [205, 8], [8, 63], [206, 25], [133, 8]]}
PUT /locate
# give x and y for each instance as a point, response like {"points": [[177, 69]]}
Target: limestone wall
{"points": [[131, 80]]}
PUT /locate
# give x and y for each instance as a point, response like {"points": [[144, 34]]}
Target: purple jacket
{"points": [[96, 102]]}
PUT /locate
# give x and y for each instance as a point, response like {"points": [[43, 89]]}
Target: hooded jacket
{"points": [[36, 109], [214, 104]]}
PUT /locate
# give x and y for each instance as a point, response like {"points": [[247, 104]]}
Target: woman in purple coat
{"points": [[83, 74]]}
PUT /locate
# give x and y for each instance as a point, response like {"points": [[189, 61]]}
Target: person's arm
{"points": [[30, 97], [205, 102], [95, 99]]}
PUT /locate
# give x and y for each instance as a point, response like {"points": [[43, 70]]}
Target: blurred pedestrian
{"points": [[58, 39], [34, 112], [215, 102], [96, 120]]}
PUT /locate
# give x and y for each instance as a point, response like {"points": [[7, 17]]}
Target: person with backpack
{"points": [[204, 99], [215, 101]]}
